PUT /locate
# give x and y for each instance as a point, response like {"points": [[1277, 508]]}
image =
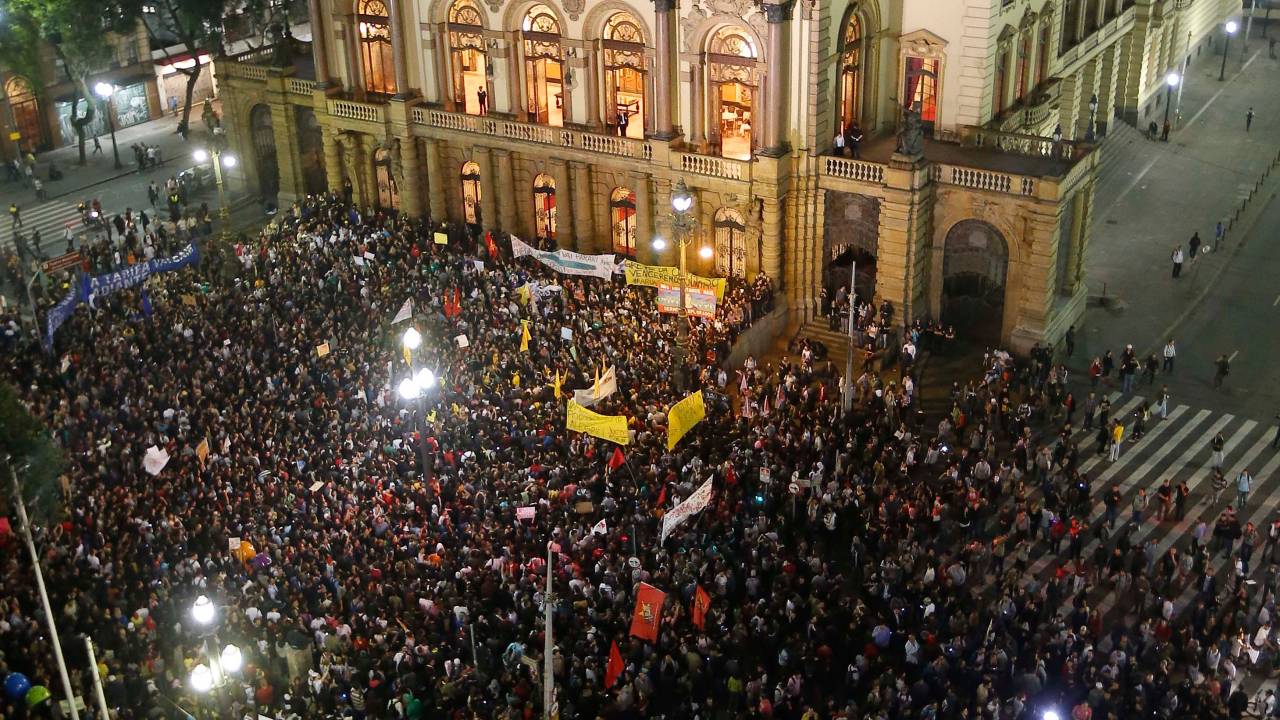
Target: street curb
{"points": [[1243, 217]]}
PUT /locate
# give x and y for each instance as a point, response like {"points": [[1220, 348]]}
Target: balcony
{"points": [[559, 137], [356, 110]]}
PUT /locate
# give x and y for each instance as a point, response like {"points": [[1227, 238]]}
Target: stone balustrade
{"points": [[531, 133], [853, 169], [714, 166], [355, 110]]}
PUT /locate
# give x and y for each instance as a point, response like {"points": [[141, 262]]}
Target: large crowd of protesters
{"points": [[367, 554]]}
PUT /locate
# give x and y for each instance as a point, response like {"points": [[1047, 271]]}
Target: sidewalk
{"points": [[1151, 197]]}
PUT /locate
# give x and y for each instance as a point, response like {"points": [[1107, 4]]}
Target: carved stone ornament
{"points": [[574, 8], [923, 44], [776, 12], [494, 5]]}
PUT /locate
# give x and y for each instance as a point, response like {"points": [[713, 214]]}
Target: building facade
{"points": [[570, 121]]}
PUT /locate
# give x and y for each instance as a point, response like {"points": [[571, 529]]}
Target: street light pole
{"points": [[1171, 81], [1093, 118], [848, 363], [44, 594], [107, 91], [548, 646], [682, 224], [1248, 26], [1230, 29]]}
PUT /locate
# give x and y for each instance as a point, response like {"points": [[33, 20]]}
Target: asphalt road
{"points": [[1238, 318]]}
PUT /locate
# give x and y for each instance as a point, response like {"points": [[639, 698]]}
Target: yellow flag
{"points": [[555, 383], [606, 427], [683, 416], [515, 380], [408, 357], [432, 417], [523, 293], [524, 336]]}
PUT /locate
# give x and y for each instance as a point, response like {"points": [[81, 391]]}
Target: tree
{"points": [[197, 24], [27, 442]]}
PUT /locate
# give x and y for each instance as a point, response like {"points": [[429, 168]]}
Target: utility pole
{"points": [[548, 646], [44, 595], [97, 679], [848, 363]]}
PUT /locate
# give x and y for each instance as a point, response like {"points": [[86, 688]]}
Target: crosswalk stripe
{"points": [[1164, 449], [1134, 452]]}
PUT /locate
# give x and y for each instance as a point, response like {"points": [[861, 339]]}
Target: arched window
{"points": [[471, 193], [1024, 62], [731, 243], [851, 74], [376, 58], [388, 192], [624, 72], [544, 73], [26, 112], [468, 57], [544, 207], [732, 77], [1002, 80], [622, 208]]}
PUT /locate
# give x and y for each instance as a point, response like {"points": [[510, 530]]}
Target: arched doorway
{"points": [[732, 57], [264, 149], [731, 243], [851, 74], [622, 208], [624, 72], [544, 74], [388, 191], [975, 265], [851, 232], [311, 151], [544, 207], [471, 193], [469, 57], [377, 61], [25, 107]]}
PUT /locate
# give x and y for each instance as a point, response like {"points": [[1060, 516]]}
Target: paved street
{"points": [[1152, 196]]}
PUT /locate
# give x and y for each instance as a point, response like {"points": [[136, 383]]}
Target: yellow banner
{"points": [[655, 275], [606, 427], [683, 416]]}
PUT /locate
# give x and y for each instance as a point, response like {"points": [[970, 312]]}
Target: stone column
{"points": [[905, 218], [661, 214], [1085, 217], [666, 58], [697, 119], [600, 211], [644, 218], [365, 160], [488, 205], [332, 159], [1084, 91], [772, 240], [394, 12], [507, 191], [519, 104], [591, 66], [355, 71], [411, 194], [435, 198], [444, 68], [566, 215], [585, 238], [1068, 103], [319, 44], [775, 137]]}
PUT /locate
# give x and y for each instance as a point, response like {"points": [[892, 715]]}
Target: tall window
{"points": [[624, 71], [851, 74], [1002, 81], [471, 193], [544, 207], [544, 74], [731, 243], [1070, 23], [1024, 58], [376, 57], [921, 88], [732, 57], [1042, 60], [622, 206], [468, 57]]}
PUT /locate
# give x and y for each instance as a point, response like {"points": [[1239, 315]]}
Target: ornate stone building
{"points": [[571, 120]]}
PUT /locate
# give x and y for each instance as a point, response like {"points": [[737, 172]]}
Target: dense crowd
{"points": [[856, 566]]}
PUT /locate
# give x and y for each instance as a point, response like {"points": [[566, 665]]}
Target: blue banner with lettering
{"points": [[92, 289]]}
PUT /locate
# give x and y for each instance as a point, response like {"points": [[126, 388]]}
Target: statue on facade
{"points": [[397, 161], [347, 149], [911, 134], [281, 45]]}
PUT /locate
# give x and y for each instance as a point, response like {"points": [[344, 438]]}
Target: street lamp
{"points": [[107, 92], [1231, 28], [1093, 117], [1057, 133], [211, 675], [203, 611], [415, 387], [1170, 82], [682, 226], [221, 159]]}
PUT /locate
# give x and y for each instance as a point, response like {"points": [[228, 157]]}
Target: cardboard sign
{"points": [[584, 508], [441, 238], [233, 544], [526, 513], [189, 300], [322, 349]]}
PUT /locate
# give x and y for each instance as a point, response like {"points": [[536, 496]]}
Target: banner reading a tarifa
{"points": [[656, 275]]}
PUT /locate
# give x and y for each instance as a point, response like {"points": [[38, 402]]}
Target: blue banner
{"points": [[92, 289]]}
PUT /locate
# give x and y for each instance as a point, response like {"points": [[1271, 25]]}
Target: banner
{"points": [[604, 386], [655, 275], [701, 302], [406, 312], [606, 427], [701, 602], [683, 416], [648, 612], [565, 261], [692, 505], [91, 289]]}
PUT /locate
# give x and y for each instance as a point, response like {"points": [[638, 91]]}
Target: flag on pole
{"points": [[406, 312], [692, 505], [408, 355], [524, 336], [604, 386], [600, 528], [683, 416], [701, 601], [491, 245], [615, 666], [146, 303], [616, 460], [648, 612], [556, 381]]}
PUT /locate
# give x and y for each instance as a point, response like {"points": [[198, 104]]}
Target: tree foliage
{"points": [[30, 448]]}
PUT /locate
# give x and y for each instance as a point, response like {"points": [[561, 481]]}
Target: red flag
{"points": [[648, 612], [701, 601], [489, 243], [662, 496], [614, 668], [616, 460], [457, 301]]}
